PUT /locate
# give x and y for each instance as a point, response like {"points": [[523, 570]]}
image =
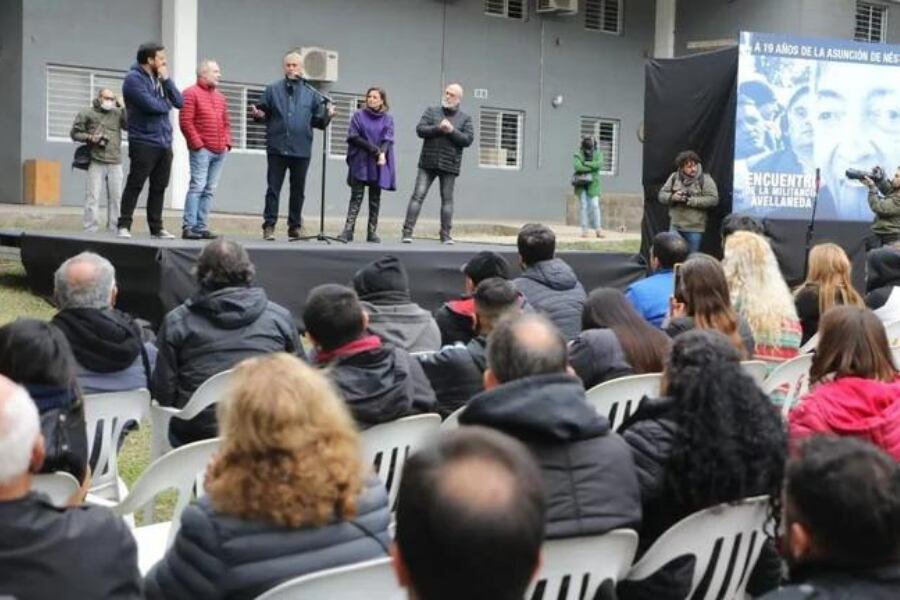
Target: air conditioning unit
{"points": [[320, 64], [569, 7]]}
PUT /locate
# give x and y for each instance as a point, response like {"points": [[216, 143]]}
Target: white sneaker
{"points": [[162, 234], [124, 233]]}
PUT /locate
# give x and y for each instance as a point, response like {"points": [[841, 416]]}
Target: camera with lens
{"points": [[103, 141], [877, 176]]}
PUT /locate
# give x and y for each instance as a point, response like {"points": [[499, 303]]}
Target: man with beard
{"points": [[690, 194], [445, 131]]}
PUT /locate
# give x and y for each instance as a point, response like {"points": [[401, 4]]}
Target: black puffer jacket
{"points": [[443, 151], [211, 333], [881, 583], [218, 556], [588, 471], [882, 275], [551, 287], [597, 356], [456, 373], [456, 320]]}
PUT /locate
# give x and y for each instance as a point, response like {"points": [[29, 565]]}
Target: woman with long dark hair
{"points": [[370, 158], [615, 340]]}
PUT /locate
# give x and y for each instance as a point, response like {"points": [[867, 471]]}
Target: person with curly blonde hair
{"points": [[828, 283], [760, 295], [287, 494]]}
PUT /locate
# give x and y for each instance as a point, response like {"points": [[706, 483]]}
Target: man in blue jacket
{"points": [[149, 97], [290, 110], [650, 296]]}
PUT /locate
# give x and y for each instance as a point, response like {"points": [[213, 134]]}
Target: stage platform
{"points": [[155, 276]]}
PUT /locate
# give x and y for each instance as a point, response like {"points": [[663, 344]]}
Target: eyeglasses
{"points": [[108, 98]]}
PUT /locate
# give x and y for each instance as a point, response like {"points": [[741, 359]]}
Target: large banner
{"points": [[811, 103]]}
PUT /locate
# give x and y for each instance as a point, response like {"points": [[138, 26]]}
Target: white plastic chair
{"points": [[789, 381], [452, 420], [757, 369], [810, 344], [895, 353], [109, 413], [211, 391], [736, 528], [586, 562], [893, 333], [59, 486], [618, 399], [362, 581], [387, 446]]}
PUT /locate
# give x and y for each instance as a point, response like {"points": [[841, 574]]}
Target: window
{"points": [[870, 22], [500, 138], [606, 132], [603, 15], [246, 134], [344, 107], [70, 89], [510, 9]]}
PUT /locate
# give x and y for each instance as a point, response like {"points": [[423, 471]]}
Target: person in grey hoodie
{"points": [[549, 285], [383, 290]]}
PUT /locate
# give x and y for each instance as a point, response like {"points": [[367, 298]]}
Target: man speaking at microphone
{"points": [[290, 109]]}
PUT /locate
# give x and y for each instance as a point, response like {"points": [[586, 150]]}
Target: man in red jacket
{"points": [[207, 130]]}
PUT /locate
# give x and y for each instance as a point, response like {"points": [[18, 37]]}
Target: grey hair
{"points": [[204, 64], [92, 293], [525, 345], [20, 427]]}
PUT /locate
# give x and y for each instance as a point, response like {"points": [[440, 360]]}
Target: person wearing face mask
{"points": [[445, 131], [100, 127], [886, 208], [690, 194], [370, 158]]}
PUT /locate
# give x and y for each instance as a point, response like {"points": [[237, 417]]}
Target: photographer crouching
{"points": [[884, 200]]}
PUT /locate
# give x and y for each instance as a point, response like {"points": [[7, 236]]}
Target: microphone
{"points": [[818, 180]]}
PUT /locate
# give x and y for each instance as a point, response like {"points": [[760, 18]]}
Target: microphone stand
{"points": [[811, 227], [321, 237]]}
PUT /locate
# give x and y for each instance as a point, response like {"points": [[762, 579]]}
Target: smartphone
{"points": [[676, 290]]}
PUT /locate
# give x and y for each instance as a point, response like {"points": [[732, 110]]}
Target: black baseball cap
{"points": [[484, 265]]}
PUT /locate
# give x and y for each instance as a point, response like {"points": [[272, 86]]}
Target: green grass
{"points": [[15, 298]]}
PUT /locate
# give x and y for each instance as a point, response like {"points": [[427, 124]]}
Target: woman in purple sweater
{"points": [[370, 157]]}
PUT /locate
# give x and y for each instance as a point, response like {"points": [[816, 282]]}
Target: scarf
{"points": [[367, 342], [103, 340], [690, 181]]}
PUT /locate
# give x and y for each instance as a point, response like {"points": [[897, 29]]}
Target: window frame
{"points": [[497, 144], [601, 11], [871, 7], [592, 124]]}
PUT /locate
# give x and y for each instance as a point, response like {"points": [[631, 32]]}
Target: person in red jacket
{"points": [[858, 391], [207, 130]]}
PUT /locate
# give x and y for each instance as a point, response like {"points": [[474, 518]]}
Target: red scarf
{"points": [[367, 342]]}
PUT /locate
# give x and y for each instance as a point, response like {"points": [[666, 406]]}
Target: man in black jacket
{"points": [[48, 552], [379, 382], [457, 372], [445, 131], [228, 320], [842, 522], [588, 471]]}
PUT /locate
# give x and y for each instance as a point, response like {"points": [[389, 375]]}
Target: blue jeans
{"points": [[693, 238], [206, 167], [590, 211]]}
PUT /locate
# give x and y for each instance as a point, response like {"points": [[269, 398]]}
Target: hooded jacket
{"points": [[551, 287], [851, 406], [596, 355], [456, 320], [588, 472], [109, 123], [211, 333], [456, 373], [823, 583], [291, 110], [149, 102], [882, 282]]}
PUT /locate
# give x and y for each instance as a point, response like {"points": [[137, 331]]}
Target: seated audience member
{"points": [[457, 372], [828, 284], [739, 222], [650, 296], [702, 301], [456, 318], [616, 341], [111, 354], [36, 355], [760, 295], [883, 283], [383, 290], [549, 285], [841, 522], [470, 519], [379, 382], [48, 552], [228, 320], [856, 389], [589, 476], [286, 495], [712, 437]]}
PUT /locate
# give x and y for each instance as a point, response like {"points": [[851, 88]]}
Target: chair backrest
{"points": [[725, 541], [106, 416], [387, 446], [582, 564], [361, 581], [179, 469], [618, 399], [895, 353], [452, 420], [59, 486], [789, 381], [757, 369], [893, 333]]}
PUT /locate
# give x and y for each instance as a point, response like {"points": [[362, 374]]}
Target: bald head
{"points": [[20, 431], [525, 345], [85, 281], [453, 95]]}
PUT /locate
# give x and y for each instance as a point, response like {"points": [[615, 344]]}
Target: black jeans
{"points": [[424, 179], [277, 166], [155, 163]]}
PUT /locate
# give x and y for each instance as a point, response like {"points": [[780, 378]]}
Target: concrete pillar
{"points": [[664, 39], [179, 36]]}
